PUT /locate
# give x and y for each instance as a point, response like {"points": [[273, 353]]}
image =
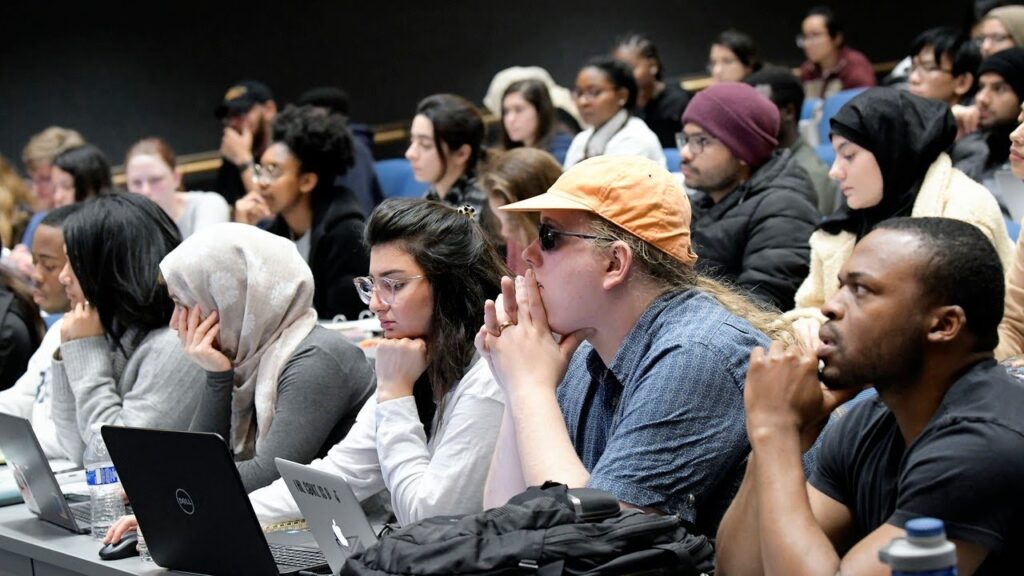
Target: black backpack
{"points": [[539, 532]]}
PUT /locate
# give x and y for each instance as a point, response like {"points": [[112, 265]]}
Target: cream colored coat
{"points": [[945, 192], [1011, 330]]}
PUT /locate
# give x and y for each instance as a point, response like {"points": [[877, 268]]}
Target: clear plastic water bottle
{"points": [[104, 487], [142, 548], [924, 552]]}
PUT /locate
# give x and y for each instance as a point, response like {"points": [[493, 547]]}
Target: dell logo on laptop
{"points": [[185, 502]]}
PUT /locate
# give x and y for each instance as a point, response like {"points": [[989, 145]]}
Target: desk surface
{"points": [[23, 534]]}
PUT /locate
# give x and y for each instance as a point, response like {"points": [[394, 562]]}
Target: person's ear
{"points": [[619, 261], [622, 96], [461, 155], [962, 84], [177, 178], [307, 182], [946, 323], [789, 113]]}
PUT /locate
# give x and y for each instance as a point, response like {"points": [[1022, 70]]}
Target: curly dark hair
{"points": [[463, 268], [319, 140], [115, 243]]}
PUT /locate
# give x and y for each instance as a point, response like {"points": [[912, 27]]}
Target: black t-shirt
{"points": [[966, 467], [664, 113]]}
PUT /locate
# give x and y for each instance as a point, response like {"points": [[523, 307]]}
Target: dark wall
{"points": [[121, 74]]}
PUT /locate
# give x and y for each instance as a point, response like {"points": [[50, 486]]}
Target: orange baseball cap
{"points": [[636, 194]]}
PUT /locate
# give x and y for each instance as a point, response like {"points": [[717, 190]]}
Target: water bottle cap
{"points": [[925, 528]]}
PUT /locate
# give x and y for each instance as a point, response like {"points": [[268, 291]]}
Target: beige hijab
{"points": [[263, 292]]}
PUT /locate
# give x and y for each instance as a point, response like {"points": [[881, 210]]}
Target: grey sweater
{"points": [[154, 385], [319, 392]]}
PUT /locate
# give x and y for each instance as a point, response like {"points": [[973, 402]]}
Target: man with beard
{"points": [[1000, 90], [916, 317], [756, 206], [247, 111]]}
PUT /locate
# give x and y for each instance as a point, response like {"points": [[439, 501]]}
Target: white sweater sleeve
{"points": [[451, 480], [29, 397], [19, 399]]}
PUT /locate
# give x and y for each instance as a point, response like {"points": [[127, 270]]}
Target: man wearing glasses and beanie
{"points": [[756, 206], [642, 393]]}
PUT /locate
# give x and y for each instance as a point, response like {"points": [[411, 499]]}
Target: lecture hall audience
{"points": [[793, 372]]}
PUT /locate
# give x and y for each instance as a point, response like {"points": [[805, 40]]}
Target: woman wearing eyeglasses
{"points": [[1001, 28], [605, 93], [428, 433], [296, 198]]}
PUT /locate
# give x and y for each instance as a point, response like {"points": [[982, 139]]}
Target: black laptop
{"points": [[189, 500], [36, 482]]}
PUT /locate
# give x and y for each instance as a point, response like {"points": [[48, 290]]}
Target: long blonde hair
{"points": [[669, 274]]}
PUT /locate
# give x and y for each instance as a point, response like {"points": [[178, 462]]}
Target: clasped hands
{"points": [[517, 342]]}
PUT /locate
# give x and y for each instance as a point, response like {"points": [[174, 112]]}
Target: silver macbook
{"points": [[332, 511], [34, 476]]}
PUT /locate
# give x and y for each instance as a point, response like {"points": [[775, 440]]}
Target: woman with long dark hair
{"points": [[79, 174], [118, 362], [428, 433], [21, 328], [528, 119]]}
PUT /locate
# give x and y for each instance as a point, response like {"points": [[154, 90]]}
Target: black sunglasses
{"points": [[548, 235]]}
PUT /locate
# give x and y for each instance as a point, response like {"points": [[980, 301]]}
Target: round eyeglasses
{"points": [[386, 287]]}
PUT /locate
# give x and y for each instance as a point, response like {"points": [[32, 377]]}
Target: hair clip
{"points": [[467, 210]]}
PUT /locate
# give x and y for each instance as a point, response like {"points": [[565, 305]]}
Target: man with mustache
{"points": [[984, 153], [757, 206], [916, 317]]}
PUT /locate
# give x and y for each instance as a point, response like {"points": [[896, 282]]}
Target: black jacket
{"points": [[757, 236], [19, 337], [336, 251]]}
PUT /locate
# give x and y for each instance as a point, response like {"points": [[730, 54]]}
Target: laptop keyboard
{"points": [[82, 513], [292, 556]]}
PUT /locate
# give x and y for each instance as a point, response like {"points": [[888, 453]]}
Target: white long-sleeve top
{"points": [[30, 396], [387, 448]]}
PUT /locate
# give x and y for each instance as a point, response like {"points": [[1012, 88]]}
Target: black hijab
{"points": [[906, 133]]}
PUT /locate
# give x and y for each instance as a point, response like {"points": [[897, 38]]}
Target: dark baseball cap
{"points": [[242, 96]]}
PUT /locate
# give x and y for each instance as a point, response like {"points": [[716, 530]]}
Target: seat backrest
{"points": [[830, 106], [809, 108], [671, 159], [397, 180]]}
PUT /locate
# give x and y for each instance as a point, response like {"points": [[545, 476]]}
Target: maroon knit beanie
{"points": [[740, 117]]}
